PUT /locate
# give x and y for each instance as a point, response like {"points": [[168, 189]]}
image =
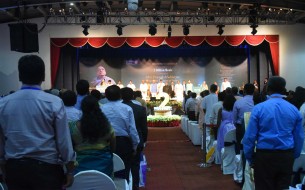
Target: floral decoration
{"points": [[163, 121]]}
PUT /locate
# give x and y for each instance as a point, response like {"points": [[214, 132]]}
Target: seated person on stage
{"points": [[93, 139], [101, 75]]}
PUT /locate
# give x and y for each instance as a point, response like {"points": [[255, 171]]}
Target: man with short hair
{"points": [[122, 120], [207, 105], [141, 125], [35, 139], [275, 130], [241, 106], [82, 89], [191, 107], [69, 99]]}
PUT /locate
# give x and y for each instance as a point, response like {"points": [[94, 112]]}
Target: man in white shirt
{"points": [[207, 105], [160, 86], [189, 86], [143, 89], [131, 85], [225, 84]]}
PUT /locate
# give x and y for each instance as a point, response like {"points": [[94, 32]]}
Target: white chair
{"points": [[249, 178], [228, 153], [93, 180], [120, 183], [238, 171], [299, 164], [190, 128], [196, 134], [183, 127]]}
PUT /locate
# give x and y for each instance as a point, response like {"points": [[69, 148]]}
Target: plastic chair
{"points": [[228, 153], [298, 169], [118, 165], [93, 180]]}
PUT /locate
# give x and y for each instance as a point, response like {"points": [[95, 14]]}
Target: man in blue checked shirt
{"points": [[275, 129]]}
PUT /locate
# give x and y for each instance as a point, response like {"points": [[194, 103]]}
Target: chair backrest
{"points": [[230, 136], [246, 119], [118, 163], [93, 180], [299, 163]]}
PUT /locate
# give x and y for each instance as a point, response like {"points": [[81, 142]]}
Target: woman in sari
{"points": [[93, 139]]}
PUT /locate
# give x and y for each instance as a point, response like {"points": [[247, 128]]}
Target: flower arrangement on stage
{"points": [[163, 121], [173, 103]]}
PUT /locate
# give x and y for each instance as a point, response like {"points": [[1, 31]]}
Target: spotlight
{"points": [[152, 29], [254, 31], [220, 29], [186, 29], [169, 31], [119, 30], [85, 31]]}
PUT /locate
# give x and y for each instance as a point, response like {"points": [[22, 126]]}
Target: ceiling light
{"points": [[186, 29], [85, 31], [152, 29], [220, 29], [169, 31], [254, 31]]}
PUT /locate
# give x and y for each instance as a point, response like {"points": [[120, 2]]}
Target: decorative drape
{"points": [[174, 42]]}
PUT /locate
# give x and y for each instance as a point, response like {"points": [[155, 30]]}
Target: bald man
{"points": [[101, 75]]}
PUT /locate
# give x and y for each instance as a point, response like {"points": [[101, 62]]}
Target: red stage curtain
{"points": [[116, 42], [55, 53], [174, 41], [215, 40], [135, 41], [97, 42], [194, 40], [235, 40]]}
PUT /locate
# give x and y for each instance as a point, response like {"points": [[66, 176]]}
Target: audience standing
{"points": [[122, 120], [241, 106], [34, 134], [93, 138], [191, 107], [69, 99], [207, 105], [82, 89], [275, 130], [141, 125]]}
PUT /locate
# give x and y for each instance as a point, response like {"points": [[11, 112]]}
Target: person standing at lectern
{"points": [[100, 76]]}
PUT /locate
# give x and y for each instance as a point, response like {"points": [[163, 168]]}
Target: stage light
{"points": [[119, 30], [169, 31], [220, 29], [186, 29], [152, 29], [85, 31], [254, 26]]}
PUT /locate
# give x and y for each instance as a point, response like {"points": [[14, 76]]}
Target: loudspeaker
{"points": [[24, 37]]}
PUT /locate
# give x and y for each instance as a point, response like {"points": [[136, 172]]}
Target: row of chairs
{"points": [[231, 163], [94, 180], [227, 156]]}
